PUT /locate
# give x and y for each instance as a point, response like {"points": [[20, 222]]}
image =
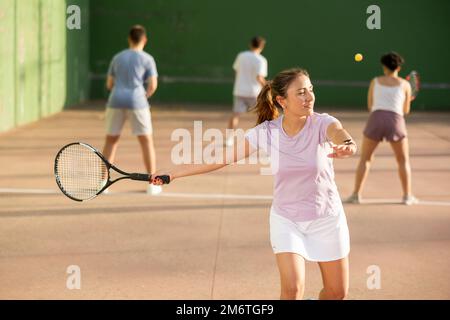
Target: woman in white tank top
{"points": [[389, 99]]}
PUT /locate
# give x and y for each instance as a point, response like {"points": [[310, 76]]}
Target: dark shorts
{"points": [[387, 125]]}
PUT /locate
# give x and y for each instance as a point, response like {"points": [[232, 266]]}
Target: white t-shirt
{"points": [[248, 65]]}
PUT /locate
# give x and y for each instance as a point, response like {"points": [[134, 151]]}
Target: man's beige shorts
{"points": [[140, 121], [243, 104]]}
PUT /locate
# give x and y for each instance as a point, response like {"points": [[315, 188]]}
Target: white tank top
{"points": [[388, 98]]}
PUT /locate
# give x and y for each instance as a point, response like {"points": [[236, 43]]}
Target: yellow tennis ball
{"points": [[358, 57]]}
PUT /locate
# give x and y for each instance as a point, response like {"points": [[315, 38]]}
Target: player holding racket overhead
{"points": [[307, 219], [129, 70], [389, 99]]}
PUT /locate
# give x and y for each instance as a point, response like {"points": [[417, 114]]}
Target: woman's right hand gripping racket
{"points": [[82, 172], [414, 80]]}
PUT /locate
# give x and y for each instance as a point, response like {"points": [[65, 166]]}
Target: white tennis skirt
{"points": [[321, 240]]}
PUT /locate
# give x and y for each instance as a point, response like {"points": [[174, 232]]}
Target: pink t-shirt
{"points": [[304, 187]]}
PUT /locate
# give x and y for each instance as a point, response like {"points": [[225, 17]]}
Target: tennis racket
{"points": [[82, 172], [414, 80]]}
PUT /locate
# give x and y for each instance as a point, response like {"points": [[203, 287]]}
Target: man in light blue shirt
{"points": [[132, 79]]}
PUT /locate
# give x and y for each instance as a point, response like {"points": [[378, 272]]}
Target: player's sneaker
{"points": [[410, 200], [104, 181], [153, 189], [354, 198]]}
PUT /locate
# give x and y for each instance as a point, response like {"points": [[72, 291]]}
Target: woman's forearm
{"points": [[229, 156], [184, 170], [341, 136]]}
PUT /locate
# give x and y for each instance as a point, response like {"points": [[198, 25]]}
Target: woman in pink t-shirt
{"points": [[307, 219]]}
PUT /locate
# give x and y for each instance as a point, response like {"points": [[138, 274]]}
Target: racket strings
{"points": [[81, 172], [414, 81]]}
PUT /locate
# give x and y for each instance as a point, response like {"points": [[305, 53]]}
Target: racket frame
{"points": [[409, 78], [109, 166]]}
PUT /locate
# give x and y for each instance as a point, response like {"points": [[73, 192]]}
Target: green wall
{"points": [[77, 53], [7, 70], [43, 65], [198, 41]]}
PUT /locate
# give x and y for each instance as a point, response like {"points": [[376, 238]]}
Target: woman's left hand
{"points": [[343, 151]]}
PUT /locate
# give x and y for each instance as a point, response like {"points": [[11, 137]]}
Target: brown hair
{"points": [[136, 33], [266, 104], [257, 42]]}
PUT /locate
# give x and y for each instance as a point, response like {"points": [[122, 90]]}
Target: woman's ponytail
{"points": [[265, 106]]}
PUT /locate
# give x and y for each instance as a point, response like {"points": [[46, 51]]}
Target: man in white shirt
{"points": [[251, 72]]}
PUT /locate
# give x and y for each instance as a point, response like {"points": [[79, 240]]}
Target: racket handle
{"points": [[140, 176], [165, 179]]}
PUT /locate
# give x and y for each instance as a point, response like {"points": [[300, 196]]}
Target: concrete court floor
{"points": [[206, 237]]}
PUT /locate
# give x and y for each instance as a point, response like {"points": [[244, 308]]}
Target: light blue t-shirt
{"points": [[130, 69]]}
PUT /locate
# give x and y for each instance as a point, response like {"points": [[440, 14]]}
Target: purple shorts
{"points": [[383, 124]]}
